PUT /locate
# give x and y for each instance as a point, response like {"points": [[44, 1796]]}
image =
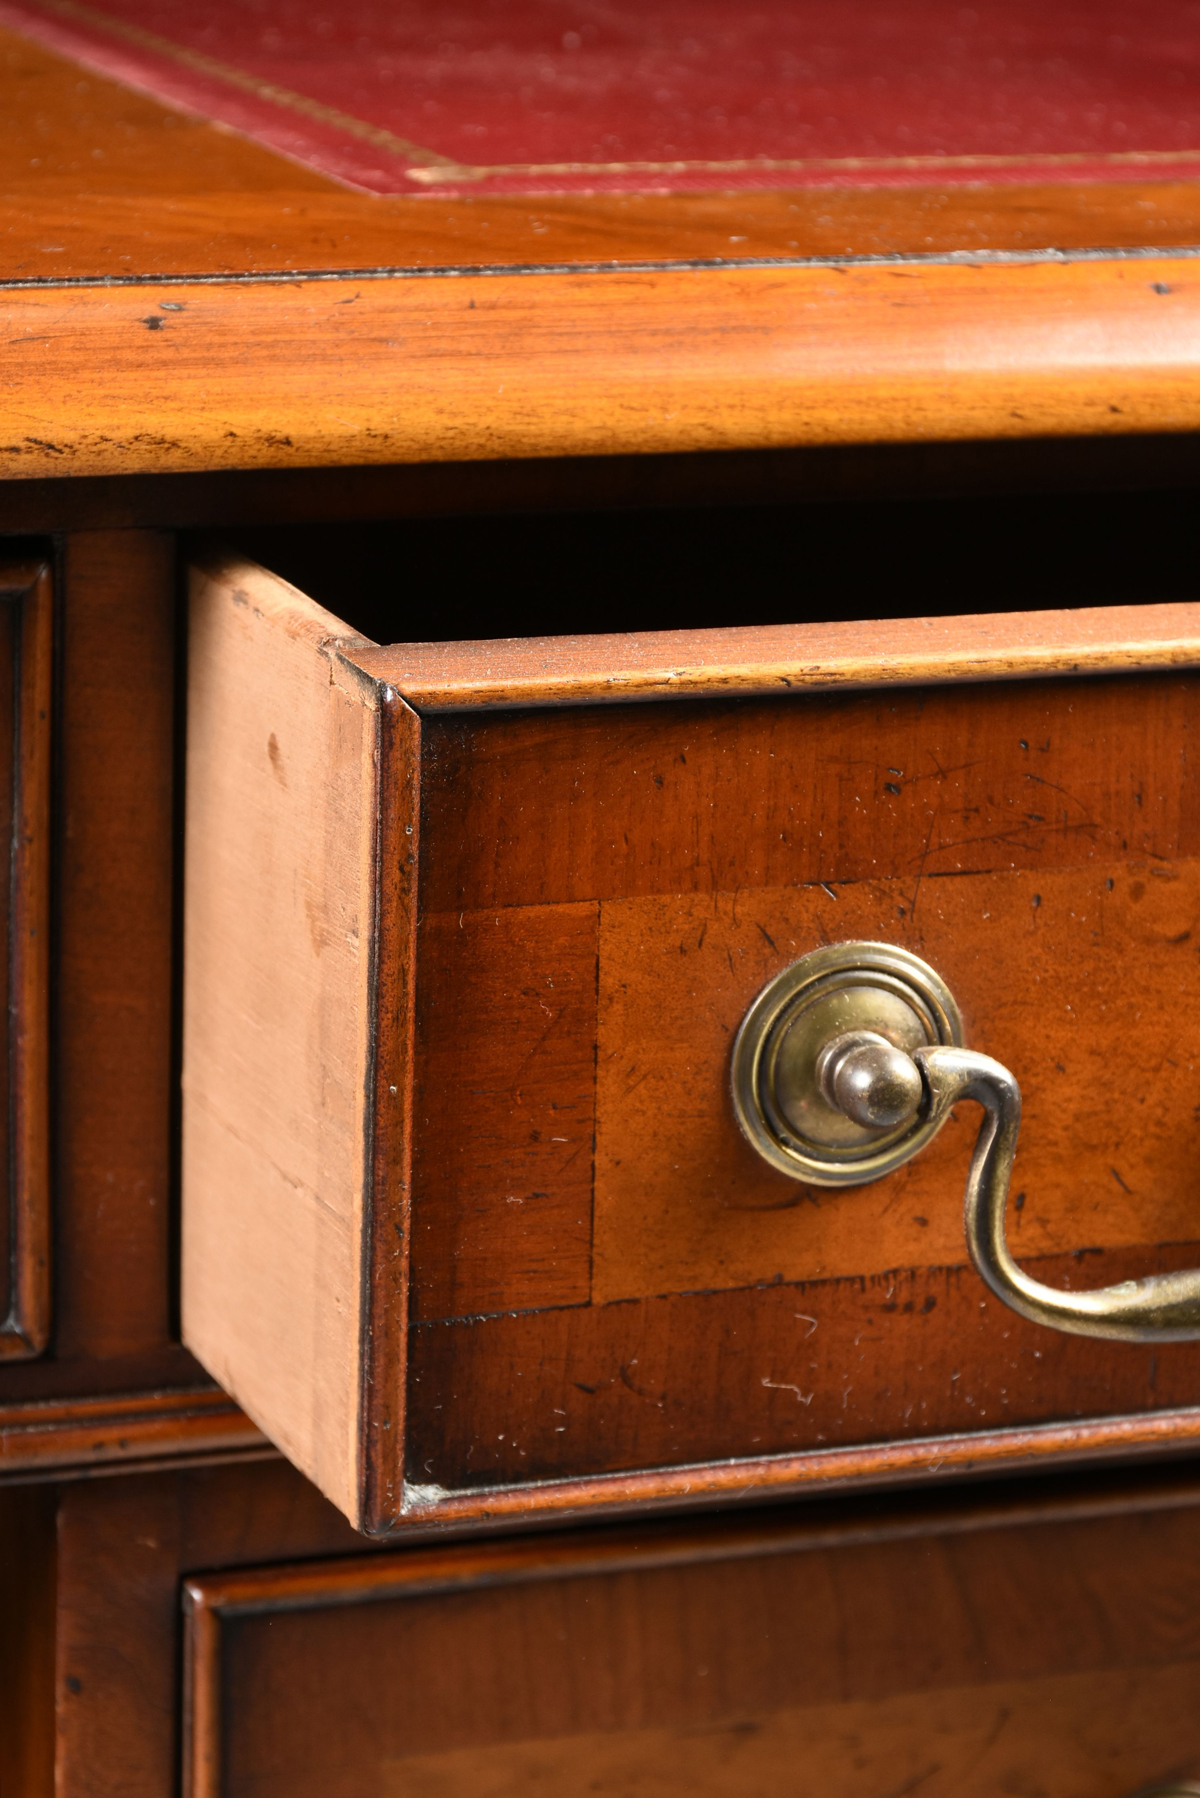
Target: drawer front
{"points": [[469, 1221], [665, 1296], [1025, 1648], [26, 609]]}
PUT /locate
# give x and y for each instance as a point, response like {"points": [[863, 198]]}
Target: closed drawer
{"points": [[469, 1221], [1044, 1646]]}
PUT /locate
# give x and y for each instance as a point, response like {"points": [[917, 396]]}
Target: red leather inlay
{"points": [[616, 95]]}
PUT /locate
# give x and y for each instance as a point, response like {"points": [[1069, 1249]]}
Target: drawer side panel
{"points": [[279, 922]]}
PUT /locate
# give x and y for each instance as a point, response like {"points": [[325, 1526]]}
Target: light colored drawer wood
{"points": [[469, 1226]]}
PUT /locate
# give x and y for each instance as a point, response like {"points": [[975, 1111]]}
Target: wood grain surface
{"points": [[603, 1281], [299, 994], [116, 895], [1078, 981], [718, 1658], [230, 377], [71, 1438], [27, 1673], [26, 666], [25, 1272], [279, 969], [179, 378], [1094, 1442], [608, 803], [182, 222], [755, 659], [603, 1292], [1056, 1726], [70, 135], [125, 1546], [506, 1103], [922, 1356], [114, 1385], [1035, 841], [391, 1123]]}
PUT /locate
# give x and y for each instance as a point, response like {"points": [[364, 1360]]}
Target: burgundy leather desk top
{"points": [[516, 96]]}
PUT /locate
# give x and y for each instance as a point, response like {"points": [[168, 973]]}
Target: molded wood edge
{"points": [[383, 1357], [71, 1437], [763, 659], [66, 1437], [477, 367], [26, 1332], [219, 1606], [270, 595], [1045, 1446], [255, 1591]]}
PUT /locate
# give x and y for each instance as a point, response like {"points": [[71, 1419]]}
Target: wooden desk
{"points": [[939, 396]]}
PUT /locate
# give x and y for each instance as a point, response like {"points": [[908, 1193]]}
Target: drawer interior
{"points": [[690, 567]]}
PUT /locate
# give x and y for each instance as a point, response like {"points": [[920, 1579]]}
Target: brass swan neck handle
{"points": [[848, 1063], [1162, 1308]]}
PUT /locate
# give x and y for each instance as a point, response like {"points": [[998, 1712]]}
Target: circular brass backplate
{"points": [[776, 1088]]}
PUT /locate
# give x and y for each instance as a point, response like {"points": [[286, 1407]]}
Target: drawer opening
{"points": [[469, 1226], [693, 567]]}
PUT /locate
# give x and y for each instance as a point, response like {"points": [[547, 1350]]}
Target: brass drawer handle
{"points": [[850, 1061], [1161, 1308]]}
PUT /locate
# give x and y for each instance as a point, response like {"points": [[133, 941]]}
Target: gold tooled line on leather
{"points": [[383, 139], [431, 167]]}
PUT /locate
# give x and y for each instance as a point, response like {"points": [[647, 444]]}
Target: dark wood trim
{"points": [[413, 1573], [25, 1332], [113, 948], [746, 660], [212, 1601], [27, 1640], [69, 1437], [782, 1476], [201, 1720], [386, 1245]]}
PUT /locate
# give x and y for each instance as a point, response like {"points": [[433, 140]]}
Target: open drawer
{"points": [[470, 1221]]}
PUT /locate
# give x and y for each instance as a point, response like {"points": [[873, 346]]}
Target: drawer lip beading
{"points": [[746, 661], [1065, 1444]]}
